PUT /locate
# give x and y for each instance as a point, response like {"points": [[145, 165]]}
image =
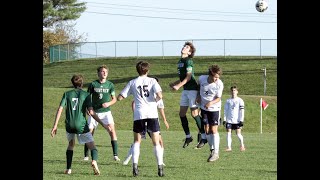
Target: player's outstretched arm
{"points": [[56, 121]]}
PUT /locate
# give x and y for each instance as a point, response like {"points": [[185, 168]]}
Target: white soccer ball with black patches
{"points": [[261, 5]]}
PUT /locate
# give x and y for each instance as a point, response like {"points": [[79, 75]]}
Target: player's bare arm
{"points": [[108, 104], [173, 84], [159, 96], [56, 122], [164, 118], [183, 82]]}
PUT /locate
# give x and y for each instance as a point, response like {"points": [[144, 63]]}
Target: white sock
{"points": [[158, 152], [229, 140], [240, 139], [130, 151], [216, 142], [210, 139], [135, 152]]}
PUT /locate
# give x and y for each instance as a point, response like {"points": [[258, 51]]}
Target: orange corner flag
{"points": [[264, 105]]}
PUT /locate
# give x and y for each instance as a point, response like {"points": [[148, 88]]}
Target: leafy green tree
{"points": [[61, 10], [57, 29]]}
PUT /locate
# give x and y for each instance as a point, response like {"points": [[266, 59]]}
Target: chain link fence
{"points": [[163, 48]]}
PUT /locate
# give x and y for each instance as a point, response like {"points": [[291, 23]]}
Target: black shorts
{"points": [[143, 125], [210, 117], [232, 126]]}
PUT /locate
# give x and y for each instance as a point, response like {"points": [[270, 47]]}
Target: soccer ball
{"points": [[261, 5]]}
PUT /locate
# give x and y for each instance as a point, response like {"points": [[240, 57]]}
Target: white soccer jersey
{"points": [[143, 90], [209, 92], [232, 110]]}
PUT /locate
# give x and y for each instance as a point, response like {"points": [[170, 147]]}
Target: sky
{"points": [[144, 20], [154, 20]]}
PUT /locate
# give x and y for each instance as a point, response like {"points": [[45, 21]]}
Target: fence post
{"points": [[59, 53], [68, 52], [260, 50], [264, 80], [162, 50], [115, 49], [53, 60], [137, 49], [224, 48], [95, 44]]}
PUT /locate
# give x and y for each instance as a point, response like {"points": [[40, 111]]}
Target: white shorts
{"points": [[82, 138], [106, 118], [188, 98]]}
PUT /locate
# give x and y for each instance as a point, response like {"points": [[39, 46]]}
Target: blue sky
{"points": [[147, 20]]}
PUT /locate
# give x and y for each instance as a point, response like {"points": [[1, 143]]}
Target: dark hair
{"points": [[77, 80], [102, 66], [192, 48], [233, 87], [142, 67], [214, 69]]}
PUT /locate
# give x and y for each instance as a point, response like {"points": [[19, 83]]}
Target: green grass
{"points": [[259, 161], [245, 72]]}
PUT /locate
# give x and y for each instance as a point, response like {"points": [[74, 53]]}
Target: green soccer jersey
{"points": [[185, 65], [101, 93], [76, 102]]}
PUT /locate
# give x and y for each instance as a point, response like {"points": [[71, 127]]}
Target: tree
{"points": [[57, 28], [61, 33], [61, 10]]}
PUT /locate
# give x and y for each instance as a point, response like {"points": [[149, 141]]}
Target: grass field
{"points": [[244, 72], [259, 161]]}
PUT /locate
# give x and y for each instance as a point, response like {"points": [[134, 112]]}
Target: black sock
{"points": [[94, 154], [114, 147], [69, 154], [202, 127], [199, 137], [185, 125], [86, 151], [198, 122]]}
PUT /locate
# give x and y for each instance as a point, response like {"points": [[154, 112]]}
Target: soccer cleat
{"points": [[95, 168], [242, 148], [160, 170], [116, 158], [228, 149], [163, 164], [213, 157], [126, 161], [187, 141], [67, 171], [135, 170], [201, 143], [86, 158]]}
